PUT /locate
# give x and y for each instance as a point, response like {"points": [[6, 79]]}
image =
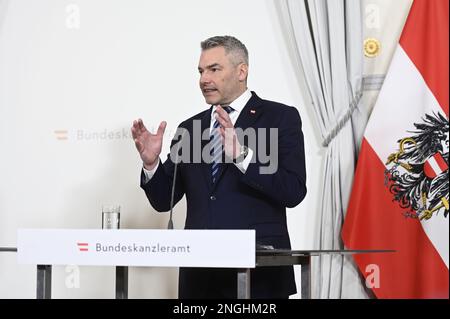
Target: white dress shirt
{"points": [[237, 106]]}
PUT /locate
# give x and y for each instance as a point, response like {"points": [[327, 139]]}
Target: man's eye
{"points": [[214, 69]]}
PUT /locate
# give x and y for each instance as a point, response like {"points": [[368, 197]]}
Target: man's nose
{"points": [[205, 78]]}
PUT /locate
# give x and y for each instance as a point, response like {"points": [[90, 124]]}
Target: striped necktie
{"points": [[216, 146]]}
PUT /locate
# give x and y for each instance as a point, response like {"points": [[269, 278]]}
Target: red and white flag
{"points": [[400, 196]]}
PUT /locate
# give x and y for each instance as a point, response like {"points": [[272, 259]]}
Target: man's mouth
{"points": [[209, 90]]}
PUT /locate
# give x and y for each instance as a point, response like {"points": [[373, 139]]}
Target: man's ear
{"points": [[243, 72]]}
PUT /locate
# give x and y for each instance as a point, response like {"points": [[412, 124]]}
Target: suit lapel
{"points": [[250, 113], [246, 119]]}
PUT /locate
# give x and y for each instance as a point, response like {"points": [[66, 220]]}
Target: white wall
{"points": [[125, 59]]}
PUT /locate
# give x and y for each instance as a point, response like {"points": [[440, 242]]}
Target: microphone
{"points": [[170, 223]]}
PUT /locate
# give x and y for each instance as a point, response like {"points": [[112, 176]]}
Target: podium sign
{"points": [[137, 247]]}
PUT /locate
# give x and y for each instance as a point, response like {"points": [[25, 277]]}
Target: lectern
{"points": [[159, 248]]}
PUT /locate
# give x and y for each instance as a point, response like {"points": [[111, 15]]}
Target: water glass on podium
{"points": [[110, 217]]}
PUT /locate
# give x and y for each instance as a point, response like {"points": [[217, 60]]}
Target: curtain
{"points": [[326, 40]]}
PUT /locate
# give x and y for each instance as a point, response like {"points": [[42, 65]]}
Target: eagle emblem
{"points": [[417, 173]]}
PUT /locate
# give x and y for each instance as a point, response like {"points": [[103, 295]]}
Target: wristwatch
{"points": [[242, 154]]}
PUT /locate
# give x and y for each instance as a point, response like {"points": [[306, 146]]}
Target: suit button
{"points": [[212, 197]]}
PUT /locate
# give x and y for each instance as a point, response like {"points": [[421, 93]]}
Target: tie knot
{"points": [[228, 109]]}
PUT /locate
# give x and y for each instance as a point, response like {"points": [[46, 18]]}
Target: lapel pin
{"points": [[252, 111]]}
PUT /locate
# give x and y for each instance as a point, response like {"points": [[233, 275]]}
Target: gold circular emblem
{"points": [[371, 47]]}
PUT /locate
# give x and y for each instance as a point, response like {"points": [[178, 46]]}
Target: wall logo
{"points": [[61, 135], [83, 135], [83, 246]]}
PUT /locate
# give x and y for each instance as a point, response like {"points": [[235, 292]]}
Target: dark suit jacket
{"points": [[239, 201]]}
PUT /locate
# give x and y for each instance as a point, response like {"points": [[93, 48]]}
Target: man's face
{"points": [[221, 81]]}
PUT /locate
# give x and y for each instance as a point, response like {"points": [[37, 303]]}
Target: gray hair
{"points": [[230, 44]]}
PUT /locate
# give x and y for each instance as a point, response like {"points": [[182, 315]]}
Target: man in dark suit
{"points": [[242, 182]]}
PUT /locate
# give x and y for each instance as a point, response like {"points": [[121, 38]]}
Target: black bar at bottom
{"points": [[121, 282], [44, 282]]}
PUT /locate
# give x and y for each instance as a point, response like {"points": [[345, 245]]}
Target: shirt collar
{"points": [[240, 102]]}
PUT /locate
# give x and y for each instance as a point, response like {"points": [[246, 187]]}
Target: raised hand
{"points": [[231, 145], [148, 145]]}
